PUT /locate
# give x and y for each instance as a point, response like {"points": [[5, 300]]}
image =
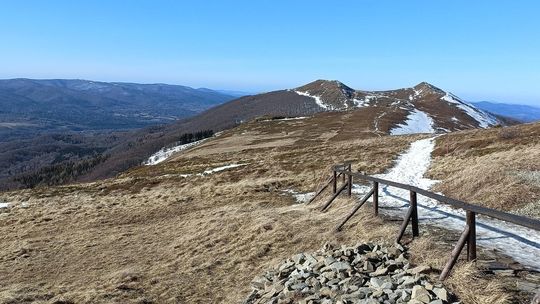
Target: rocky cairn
{"points": [[366, 273]]}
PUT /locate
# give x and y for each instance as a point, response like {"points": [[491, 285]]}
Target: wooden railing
{"points": [[468, 236]]}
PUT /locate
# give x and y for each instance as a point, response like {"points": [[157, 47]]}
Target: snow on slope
{"points": [[4, 205], [417, 122], [317, 99], [222, 168], [484, 119], [287, 118], [165, 153], [300, 198], [522, 244], [207, 171]]}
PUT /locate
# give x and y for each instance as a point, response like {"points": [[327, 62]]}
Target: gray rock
{"points": [[441, 293], [419, 269], [376, 282], [340, 266], [379, 272], [368, 266], [408, 281], [419, 293], [299, 258], [405, 296], [365, 273]]}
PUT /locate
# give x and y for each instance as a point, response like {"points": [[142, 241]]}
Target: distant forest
{"points": [[187, 138], [68, 171]]}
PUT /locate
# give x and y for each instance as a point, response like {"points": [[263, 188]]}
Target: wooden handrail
{"points": [[500, 215], [338, 191], [469, 233], [326, 184]]}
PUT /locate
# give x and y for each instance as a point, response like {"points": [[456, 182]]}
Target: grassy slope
{"points": [[152, 235], [498, 168]]}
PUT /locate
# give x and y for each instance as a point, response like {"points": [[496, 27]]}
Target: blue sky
{"points": [[480, 50]]}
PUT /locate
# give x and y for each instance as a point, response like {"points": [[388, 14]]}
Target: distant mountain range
{"points": [[31, 106], [522, 113], [235, 93], [423, 108]]}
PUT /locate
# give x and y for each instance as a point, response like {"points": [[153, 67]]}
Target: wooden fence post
{"points": [[349, 181], [471, 241], [455, 253], [376, 198], [327, 205], [364, 199], [334, 182], [404, 225], [414, 214]]}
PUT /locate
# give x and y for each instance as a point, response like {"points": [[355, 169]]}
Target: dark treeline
{"points": [[59, 173], [68, 171], [187, 138]]}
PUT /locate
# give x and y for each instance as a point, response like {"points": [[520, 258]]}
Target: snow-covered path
{"points": [[520, 243]]}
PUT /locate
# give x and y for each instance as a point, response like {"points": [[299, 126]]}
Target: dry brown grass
{"points": [[491, 167], [154, 236], [475, 288]]}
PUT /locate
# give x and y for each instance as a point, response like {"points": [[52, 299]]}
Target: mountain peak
{"points": [[426, 86], [326, 85]]}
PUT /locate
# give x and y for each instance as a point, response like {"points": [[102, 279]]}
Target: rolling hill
{"points": [[30, 107], [423, 108]]}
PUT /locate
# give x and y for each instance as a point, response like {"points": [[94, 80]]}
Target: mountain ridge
{"points": [[420, 109], [59, 105], [334, 95]]}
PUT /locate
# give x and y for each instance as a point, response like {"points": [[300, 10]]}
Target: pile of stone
{"points": [[366, 273]]}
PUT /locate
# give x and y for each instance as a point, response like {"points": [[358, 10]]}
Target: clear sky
{"points": [[480, 50]]}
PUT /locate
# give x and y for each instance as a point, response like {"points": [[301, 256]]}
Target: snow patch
{"points": [[360, 103], [318, 100], [484, 119], [417, 122], [222, 168], [287, 118], [4, 205], [207, 172], [165, 153], [520, 243], [300, 198]]}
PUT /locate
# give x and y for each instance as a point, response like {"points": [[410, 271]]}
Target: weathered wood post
{"points": [[349, 181], [364, 199], [414, 214], [376, 198], [455, 253], [404, 224], [334, 182], [471, 241]]}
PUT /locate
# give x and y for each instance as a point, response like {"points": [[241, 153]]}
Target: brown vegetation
{"points": [[155, 236], [497, 168]]}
